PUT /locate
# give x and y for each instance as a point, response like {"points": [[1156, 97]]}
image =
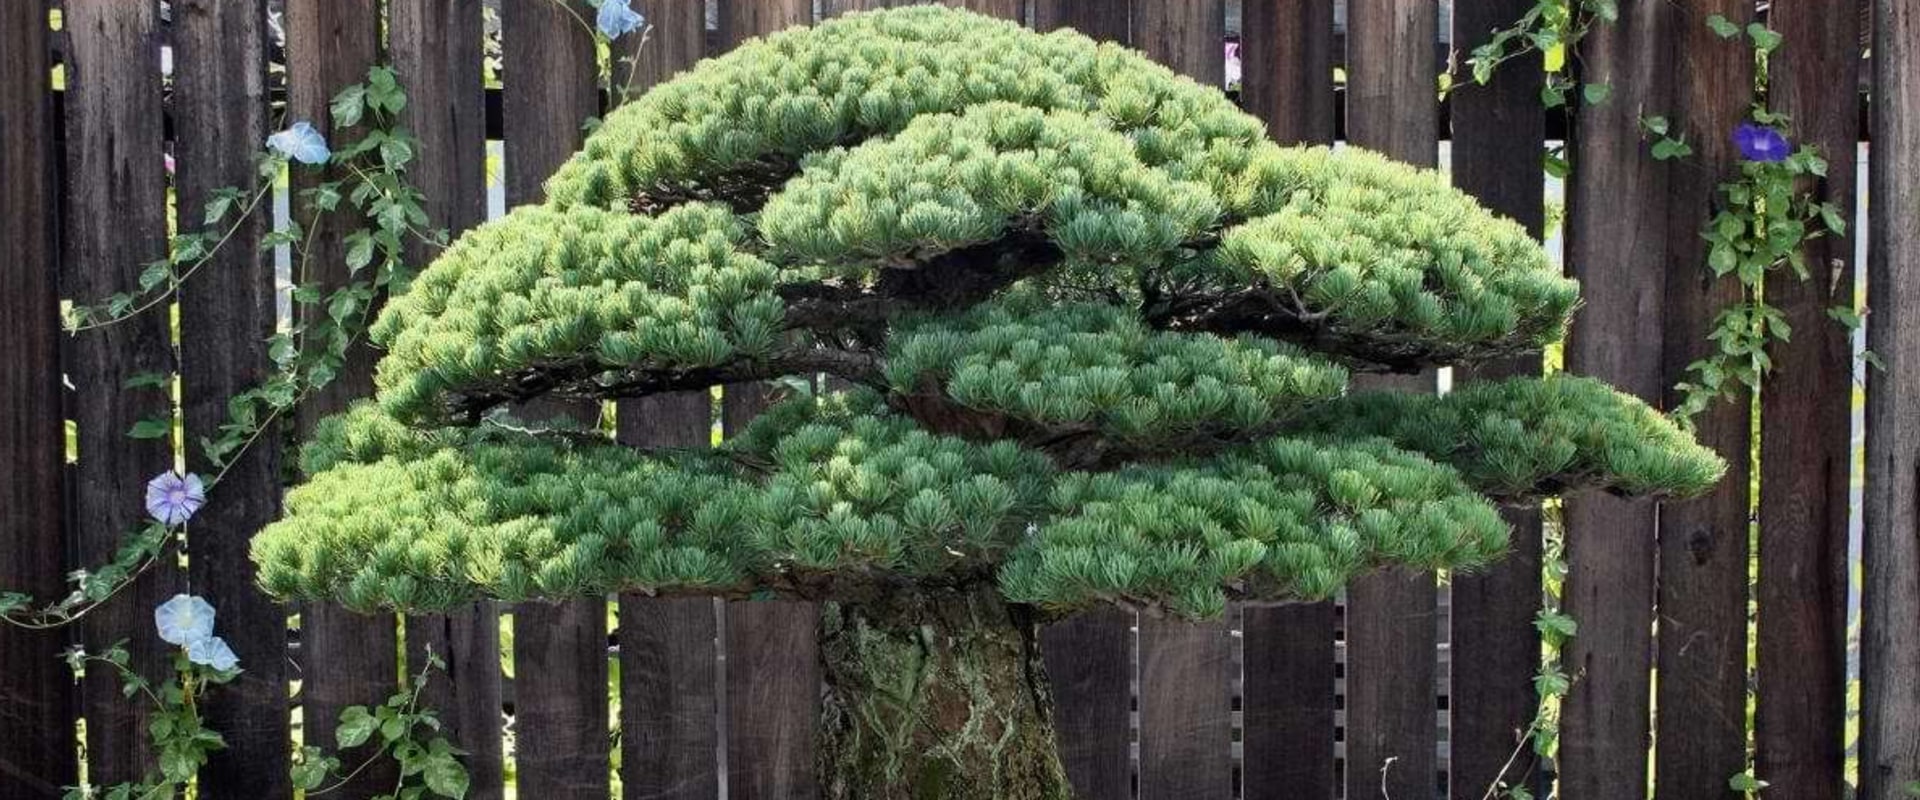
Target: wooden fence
{"points": [[1308, 701]]}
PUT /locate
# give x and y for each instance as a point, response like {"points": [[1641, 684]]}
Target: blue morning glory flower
{"points": [[616, 17], [1760, 143], [212, 651], [184, 620], [301, 143], [173, 497]]}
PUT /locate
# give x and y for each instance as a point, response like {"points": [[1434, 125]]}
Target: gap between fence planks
{"points": [[36, 692]]}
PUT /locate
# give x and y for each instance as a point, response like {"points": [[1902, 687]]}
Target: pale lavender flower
{"points": [[172, 497], [184, 620], [301, 143], [617, 17], [212, 651]]}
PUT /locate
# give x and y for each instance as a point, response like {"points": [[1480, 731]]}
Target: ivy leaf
{"points": [[143, 380], [1746, 782], [356, 727], [218, 207], [349, 105], [1846, 316], [151, 428], [1765, 39], [1667, 149], [1596, 93], [446, 777], [1721, 27]]}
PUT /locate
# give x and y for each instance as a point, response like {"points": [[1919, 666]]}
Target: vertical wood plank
{"points": [[346, 659], [1701, 693], [1499, 131], [744, 19], [551, 86], [669, 667], [1186, 710], [1287, 690], [1105, 20], [1391, 615], [1616, 212], [1806, 431], [115, 224], [36, 694], [1890, 664], [1287, 52], [436, 48], [227, 312], [1090, 663], [1288, 699], [1005, 9], [773, 699], [1188, 35]]}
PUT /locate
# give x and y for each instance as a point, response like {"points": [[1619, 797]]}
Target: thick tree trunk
{"points": [[936, 697]]}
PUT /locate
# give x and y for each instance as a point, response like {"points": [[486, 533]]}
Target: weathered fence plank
{"points": [[346, 659], [1499, 131], [1105, 20], [1090, 663], [1615, 216], [1286, 54], [1287, 690], [227, 313], [743, 19], [564, 750], [1391, 616], [1186, 709], [669, 670], [436, 47], [1701, 693], [1187, 35], [115, 224], [36, 693], [773, 699], [1005, 9], [1806, 431], [1890, 663]]}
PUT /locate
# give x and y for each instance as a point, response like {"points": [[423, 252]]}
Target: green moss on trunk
{"points": [[936, 697]]}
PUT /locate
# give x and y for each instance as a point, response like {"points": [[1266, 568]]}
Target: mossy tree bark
{"points": [[936, 697]]}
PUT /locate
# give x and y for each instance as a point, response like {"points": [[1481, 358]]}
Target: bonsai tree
{"points": [[1095, 337]]}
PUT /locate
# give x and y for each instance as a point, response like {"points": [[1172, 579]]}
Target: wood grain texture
{"points": [[346, 659], [115, 224], [1701, 693], [1391, 704], [1288, 651], [36, 692], [1187, 35], [1005, 9], [773, 699], [1498, 131], [1286, 54], [1287, 697], [1890, 664], [1089, 660], [227, 312], [1105, 20], [677, 40], [435, 45], [1806, 431], [1392, 636], [551, 87], [1616, 246], [1186, 710], [741, 20]]}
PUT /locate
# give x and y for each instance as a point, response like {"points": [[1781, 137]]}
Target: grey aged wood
{"points": [[227, 312], [1186, 709], [1890, 664], [114, 225], [36, 692], [1805, 431], [1090, 663], [1286, 55]]}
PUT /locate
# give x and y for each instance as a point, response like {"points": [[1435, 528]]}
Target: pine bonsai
{"points": [[1096, 335]]}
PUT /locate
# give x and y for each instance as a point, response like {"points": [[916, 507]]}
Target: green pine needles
{"points": [[1097, 332]]}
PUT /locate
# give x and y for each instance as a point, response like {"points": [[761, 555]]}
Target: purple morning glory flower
{"points": [[184, 620], [212, 651], [172, 497], [301, 143], [1760, 143], [617, 17]]}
